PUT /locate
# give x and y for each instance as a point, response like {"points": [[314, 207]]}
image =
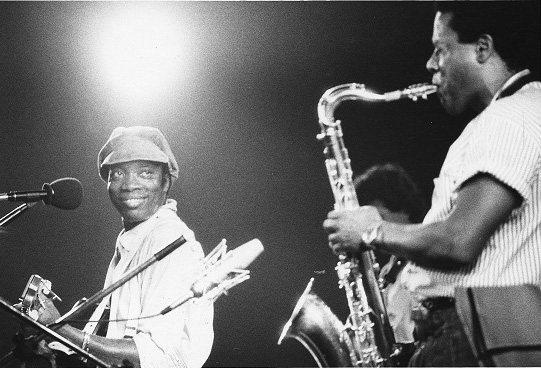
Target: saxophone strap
{"points": [[90, 327], [516, 85]]}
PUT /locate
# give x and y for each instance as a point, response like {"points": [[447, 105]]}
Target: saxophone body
{"points": [[366, 339]]}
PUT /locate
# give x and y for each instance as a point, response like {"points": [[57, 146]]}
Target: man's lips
{"points": [[438, 90], [132, 201]]}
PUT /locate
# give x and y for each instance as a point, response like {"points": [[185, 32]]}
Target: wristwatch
{"points": [[373, 236]]}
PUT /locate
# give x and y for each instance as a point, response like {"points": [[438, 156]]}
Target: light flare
{"points": [[143, 53]]}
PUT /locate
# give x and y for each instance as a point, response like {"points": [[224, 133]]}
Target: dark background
{"points": [[243, 127]]}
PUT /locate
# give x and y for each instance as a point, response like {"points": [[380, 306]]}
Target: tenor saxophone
{"points": [[368, 324], [366, 339]]}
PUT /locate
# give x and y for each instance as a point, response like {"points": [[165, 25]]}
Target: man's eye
{"points": [[115, 175], [147, 173]]}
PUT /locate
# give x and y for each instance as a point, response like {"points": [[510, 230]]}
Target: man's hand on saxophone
{"points": [[353, 230]]}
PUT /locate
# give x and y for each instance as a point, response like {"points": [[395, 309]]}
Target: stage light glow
{"points": [[143, 52]]}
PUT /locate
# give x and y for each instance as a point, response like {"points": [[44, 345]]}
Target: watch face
{"points": [[368, 237]]}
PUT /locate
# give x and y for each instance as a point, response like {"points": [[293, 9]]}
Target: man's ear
{"points": [[169, 182], [484, 48], [166, 182]]}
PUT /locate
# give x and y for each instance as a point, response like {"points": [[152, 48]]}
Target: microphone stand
{"points": [[125, 278], [15, 213], [91, 301]]}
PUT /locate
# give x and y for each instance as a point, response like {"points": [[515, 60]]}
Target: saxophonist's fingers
{"points": [[334, 247], [329, 225], [334, 241], [333, 214]]}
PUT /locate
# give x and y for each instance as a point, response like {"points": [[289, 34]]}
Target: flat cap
{"points": [[136, 143]]}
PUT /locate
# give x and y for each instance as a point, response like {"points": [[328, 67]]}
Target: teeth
{"points": [[133, 201]]}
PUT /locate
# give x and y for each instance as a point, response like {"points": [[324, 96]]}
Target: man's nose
{"points": [[432, 64], [131, 181]]}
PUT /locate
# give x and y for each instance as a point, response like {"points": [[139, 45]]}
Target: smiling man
{"points": [[139, 168]]}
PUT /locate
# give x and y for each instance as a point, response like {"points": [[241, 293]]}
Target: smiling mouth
{"points": [[132, 202]]}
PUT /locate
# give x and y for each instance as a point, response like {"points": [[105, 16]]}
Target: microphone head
{"points": [[237, 259], [65, 193], [242, 256]]}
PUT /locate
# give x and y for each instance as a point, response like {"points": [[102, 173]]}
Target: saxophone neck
{"points": [[333, 97]]}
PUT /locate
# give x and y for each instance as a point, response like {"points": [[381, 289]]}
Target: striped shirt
{"points": [[505, 142]]}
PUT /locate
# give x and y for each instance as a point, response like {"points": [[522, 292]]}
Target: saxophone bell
{"points": [[318, 329]]}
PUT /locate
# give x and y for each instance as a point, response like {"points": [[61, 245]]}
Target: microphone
{"points": [[230, 269], [65, 193]]}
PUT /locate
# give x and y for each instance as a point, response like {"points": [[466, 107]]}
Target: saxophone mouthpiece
{"points": [[394, 95], [414, 92]]}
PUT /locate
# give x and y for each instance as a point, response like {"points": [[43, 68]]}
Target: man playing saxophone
{"points": [[483, 228]]}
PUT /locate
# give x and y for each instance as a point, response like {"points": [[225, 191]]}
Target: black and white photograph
{"points": [[270, 183]]}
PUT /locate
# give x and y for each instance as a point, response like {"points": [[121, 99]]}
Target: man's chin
{"points": [[134, 216], [450, 108]]}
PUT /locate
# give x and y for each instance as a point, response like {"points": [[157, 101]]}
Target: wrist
{"points": [[373, 236]]}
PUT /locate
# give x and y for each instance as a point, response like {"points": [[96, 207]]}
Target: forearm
{"points": [[432, 245], [482, 205], [112, 351]]}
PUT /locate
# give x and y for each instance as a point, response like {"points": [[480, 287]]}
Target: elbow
{"points": [[463, 250], [450, 249], [463, 259]]}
